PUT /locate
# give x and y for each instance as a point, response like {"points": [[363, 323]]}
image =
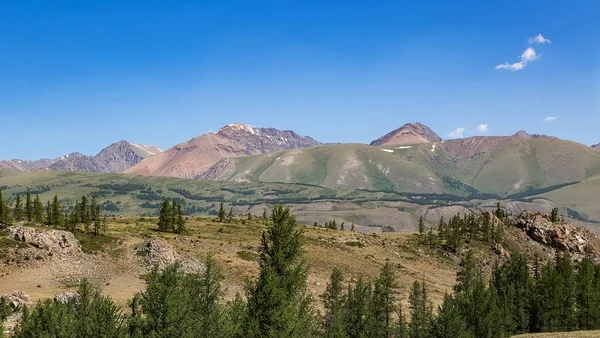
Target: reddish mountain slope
{"points": [[192, 158], [410, 133]]}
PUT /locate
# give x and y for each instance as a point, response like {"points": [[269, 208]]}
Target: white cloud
{"points": [[539, 39], [457, 133], [482, 128], [527, 56], [549, 119], [511, 66]]}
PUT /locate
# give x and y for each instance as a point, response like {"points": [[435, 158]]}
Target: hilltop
{"points": [[408, 134]]}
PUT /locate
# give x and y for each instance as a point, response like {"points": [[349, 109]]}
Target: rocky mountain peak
{"points": [[193, 158], [522, 133], [410, 133]]}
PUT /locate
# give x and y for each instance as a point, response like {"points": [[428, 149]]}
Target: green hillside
{"points": [[469, 167]]}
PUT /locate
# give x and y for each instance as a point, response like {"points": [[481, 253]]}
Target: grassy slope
{"points": [[501, 169], [583, 197]]}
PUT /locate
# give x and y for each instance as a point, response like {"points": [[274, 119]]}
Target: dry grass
{"points": [[234, 245]]}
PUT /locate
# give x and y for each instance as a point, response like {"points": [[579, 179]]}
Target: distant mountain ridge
{"points": [[192, 158], [596, 146], [500, 165], [410, 133], [114, 158]]}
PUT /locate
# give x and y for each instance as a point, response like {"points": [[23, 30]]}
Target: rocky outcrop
{"points": [[410, 133], [53, 241], [160, 254], [561, 236], [65, 297], [17, 300]]}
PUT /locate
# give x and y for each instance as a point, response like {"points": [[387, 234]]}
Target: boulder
{"points": [[54, 241]]}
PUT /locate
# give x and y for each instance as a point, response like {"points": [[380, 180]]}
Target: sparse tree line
{"points": [[85, 215], [550, 296]]}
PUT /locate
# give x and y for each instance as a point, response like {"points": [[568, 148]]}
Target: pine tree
{"points": [[93, 209], [48, 213], [206, 297], [56, 213], [449, 323], [165, 216], [333, 301], [18, 212], [383, 304], [264, 215], [279, 304], [164, 309], [352, 227], [420, 310], [180, 220], [38, 210], [3, 209], [173, 216], [230, 215], [588, 302], [421, 226], [97, 219], [84, 211], [357, 310], [554, 215], [221, 213], [28, 207]]}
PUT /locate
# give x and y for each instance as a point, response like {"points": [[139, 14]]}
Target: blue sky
{"points": [[79, 75]]}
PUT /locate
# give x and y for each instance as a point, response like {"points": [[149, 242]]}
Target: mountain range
{"points": [[412, 158], [192, 158], [115, 158]]}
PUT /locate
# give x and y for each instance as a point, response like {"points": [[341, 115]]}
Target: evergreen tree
{"points": [[38, 210], [449, 323], [18, 211], [206, 295], [230, 215], [56, 214], [3, 209], [357, 310], [421, 226], [49, 217], [554, 215], [514, 286], [164, 308], [93, 208], [264, 215], [420, 310], [383, 304], [221, 213], [28, 207], [84, 211], [180, 220], [588, 299], [173, 216], [567, 282], [165, 216], [333, 301], [279, 304]]}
